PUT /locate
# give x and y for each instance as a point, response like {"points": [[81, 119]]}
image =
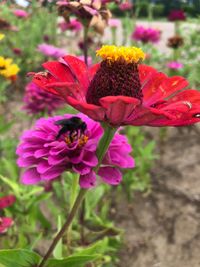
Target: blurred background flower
{"points": [[146, 35], [38, 101], [51, 50]]}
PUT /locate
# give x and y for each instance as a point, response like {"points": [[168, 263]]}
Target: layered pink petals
{"points": [[70, 79]]}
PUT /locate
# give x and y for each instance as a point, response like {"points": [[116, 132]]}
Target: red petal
{"points": [[93, 70], [65, 89], [118, 108], [59, 71], [79, 70], [42, 81], [145, 72], [97, 113], [192, 96], [160, 87], [145, 116]]}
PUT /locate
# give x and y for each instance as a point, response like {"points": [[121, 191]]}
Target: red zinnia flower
{"points": [[120, 91]]}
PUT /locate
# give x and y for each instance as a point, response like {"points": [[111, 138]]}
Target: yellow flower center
{"points": [[82, 140], [113, 53]]}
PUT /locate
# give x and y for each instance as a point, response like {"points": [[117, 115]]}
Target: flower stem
{"points": [[85, 44], [74, 190], [65, 227], [104, 143], [101, 150]]}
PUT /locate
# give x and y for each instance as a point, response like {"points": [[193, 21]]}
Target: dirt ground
{"points": [[163, 228]]}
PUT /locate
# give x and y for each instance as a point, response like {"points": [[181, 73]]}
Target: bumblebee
{"points": [[73, 126]]}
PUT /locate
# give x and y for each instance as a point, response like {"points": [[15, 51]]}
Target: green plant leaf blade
{"points": [[18, 258], [73, 261]]}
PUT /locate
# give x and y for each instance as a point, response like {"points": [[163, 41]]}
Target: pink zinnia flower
{"points": [[46, 155], [146, 35], [176, 15], [6, 222], [114, 23], [37, 100], [72, 25], [126, 6], [51, 51], [175, 65], [20, 13]]}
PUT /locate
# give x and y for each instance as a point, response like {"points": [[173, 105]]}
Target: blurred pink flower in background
{"points": [[17, 51], [72, 25], [20, 13], [114, 23], [176, 15], [6, 222], [51, 51], [175, 65], [37, 100], [126, 6], [146, 35]]}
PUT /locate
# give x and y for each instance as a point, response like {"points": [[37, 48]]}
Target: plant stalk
{"points": [[85, 44], [65, 227], [104, 143], [101, 150]]}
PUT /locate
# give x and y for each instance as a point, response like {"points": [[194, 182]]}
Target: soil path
{"points": [[163, 229]]}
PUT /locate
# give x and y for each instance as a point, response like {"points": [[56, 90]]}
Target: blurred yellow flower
{"points": [[1, 36], [7, 68]]}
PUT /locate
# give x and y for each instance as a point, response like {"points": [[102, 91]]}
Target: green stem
{"points": [[113, 31], [74, 190], [101, 150], [65, 227], [104, 143], [85, 43], [126, 28]]}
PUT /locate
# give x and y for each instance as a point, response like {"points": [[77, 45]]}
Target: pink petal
{"points": [[30, 176], [87, 180], [110, 175]]}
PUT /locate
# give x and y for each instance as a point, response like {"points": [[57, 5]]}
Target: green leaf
{"points": [[73, 261], [13, 185], [18, 258], [98, 247]]}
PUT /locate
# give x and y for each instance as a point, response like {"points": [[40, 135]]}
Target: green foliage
{"points": [[18, 258], [30, 33], [72, 261], [143, 152]]}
